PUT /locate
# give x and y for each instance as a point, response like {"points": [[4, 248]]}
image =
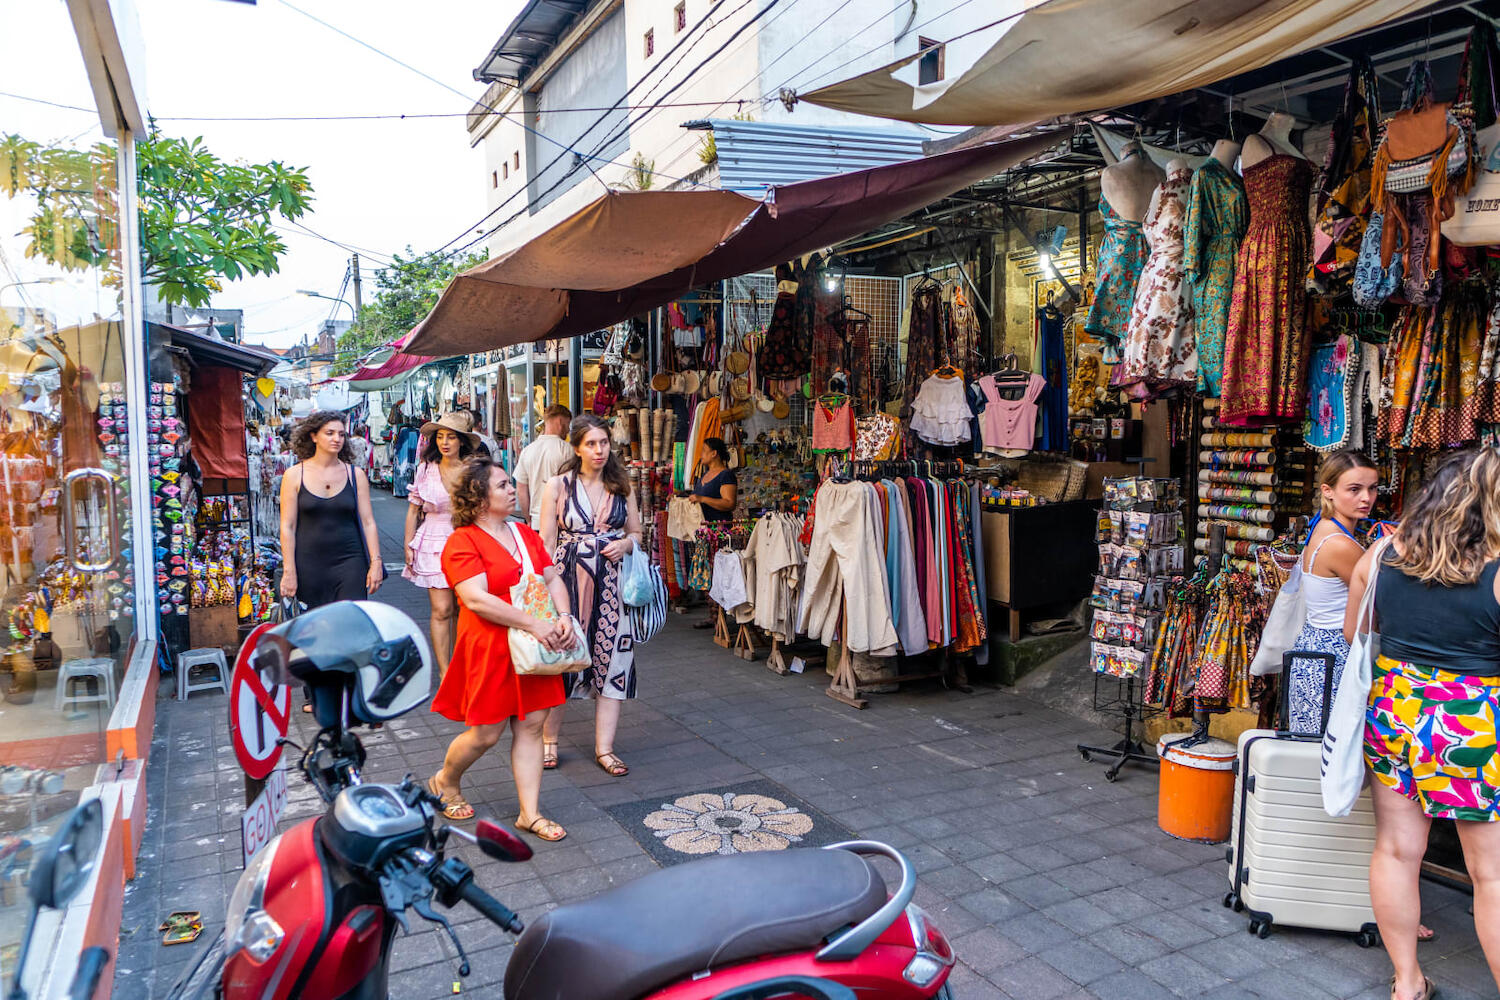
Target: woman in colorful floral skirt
{"points": [[1430, 727]]}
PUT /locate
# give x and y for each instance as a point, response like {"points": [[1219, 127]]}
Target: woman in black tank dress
{"points": [[327, 526]]}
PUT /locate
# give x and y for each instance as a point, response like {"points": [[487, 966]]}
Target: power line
{"points": [[610, 138], [403, 116], [804, 37], [491, 108], [592, 125]]}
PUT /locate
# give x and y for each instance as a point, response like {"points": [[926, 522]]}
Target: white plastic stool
{"points": [[101, 668], [209, 657]]}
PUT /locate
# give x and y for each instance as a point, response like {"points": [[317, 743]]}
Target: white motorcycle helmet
{"points": [[373, 650]]}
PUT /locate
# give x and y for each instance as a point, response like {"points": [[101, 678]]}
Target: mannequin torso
{"points": [[1226, 151], [1129, 184], [1275, 138]]}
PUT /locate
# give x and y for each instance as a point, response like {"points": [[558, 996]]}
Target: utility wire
{"points": [[691, 32], [515, 215], [584, 159]]}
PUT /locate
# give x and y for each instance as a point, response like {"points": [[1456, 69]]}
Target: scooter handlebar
{"points": [[497, 912]]}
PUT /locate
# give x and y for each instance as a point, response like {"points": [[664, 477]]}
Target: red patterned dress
{"points": [[1266, 345]]}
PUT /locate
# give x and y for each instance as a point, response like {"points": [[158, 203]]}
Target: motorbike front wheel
{"points": [[946, 993], [201, 981]]}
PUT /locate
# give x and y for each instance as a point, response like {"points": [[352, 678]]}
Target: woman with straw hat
{"points": [[429, 521]]}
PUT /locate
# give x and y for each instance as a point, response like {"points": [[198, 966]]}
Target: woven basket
{"points": [[1044, 480], [1078, 480]]}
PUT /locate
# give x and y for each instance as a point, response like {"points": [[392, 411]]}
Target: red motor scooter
{"points": [[315, 912]]}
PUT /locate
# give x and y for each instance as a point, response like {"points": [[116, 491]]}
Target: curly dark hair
{"points": [[616, 479], [471, 497], [302, 436]]}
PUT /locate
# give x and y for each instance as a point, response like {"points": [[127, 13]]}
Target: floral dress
{"points": [[1266, 341], [1160, 351], [1122, 255], [1217, 216], [593, 584]]}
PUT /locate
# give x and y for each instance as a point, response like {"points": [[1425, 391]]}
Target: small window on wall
{"points": [[506, 167], [650, 44], [930, 66], [494, 179], [516, 156], [679, 16]]}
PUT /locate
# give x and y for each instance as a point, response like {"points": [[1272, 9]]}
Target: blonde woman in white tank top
{"points": [[1347, 483]]}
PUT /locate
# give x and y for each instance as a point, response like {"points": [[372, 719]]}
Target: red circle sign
{"points": [[259, 713]]}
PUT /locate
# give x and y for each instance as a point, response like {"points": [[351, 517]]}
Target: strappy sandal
{"points": [[455, 806], [543, 829], [612, 764], [1429, 991], [549, 755]]}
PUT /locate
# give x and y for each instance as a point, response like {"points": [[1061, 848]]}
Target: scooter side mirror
{"points": [[499, 843], [66, 862]]}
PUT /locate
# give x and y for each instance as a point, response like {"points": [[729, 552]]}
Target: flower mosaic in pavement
{"points": [[735, 819]]}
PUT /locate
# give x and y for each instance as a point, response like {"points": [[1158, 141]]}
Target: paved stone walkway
{"points": [[1051, 882]]}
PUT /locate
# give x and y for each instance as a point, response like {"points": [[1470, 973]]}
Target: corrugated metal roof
{"points": [[531, 36], [757, 155]]}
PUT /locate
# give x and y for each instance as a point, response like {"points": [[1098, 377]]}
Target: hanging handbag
{"points": [[1342, 774], [1375, 281], [527, 654], [647, 619], [606, 393]]}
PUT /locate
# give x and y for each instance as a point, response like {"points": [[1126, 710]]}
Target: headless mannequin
{"points": [[1173, 165], [1129, 184], [1274, 138], [1225, 151]]}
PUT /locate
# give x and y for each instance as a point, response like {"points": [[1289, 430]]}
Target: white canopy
{"points": [[1063, 57]]}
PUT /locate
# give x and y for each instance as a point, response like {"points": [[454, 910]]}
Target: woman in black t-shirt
{"points": [[715, 494], [716, 490]]}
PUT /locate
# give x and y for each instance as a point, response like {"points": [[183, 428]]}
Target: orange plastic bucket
{"points": [[1195, 800]]}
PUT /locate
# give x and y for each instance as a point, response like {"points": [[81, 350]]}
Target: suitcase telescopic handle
{"points": [[1330, 664]]}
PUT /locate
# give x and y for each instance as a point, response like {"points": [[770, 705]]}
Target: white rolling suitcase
{"points": [[1289, 861]]}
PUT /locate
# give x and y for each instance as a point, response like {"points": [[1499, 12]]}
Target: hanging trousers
{"points": [[846, 568]]}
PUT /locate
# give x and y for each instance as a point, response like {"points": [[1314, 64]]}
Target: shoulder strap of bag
{"points": [[1366, 620], [522, 550]]}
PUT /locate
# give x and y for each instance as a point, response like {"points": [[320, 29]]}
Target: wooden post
{"points": [[721, 630], [845, 686]]}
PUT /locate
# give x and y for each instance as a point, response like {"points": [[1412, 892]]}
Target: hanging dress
{"points": [[1052, 359], [1217, 216], [1266, 342], [1122, 255], [1161, 352], [593, 584]]}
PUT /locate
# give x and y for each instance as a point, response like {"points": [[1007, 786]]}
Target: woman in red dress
{"points": [[480, 689]]}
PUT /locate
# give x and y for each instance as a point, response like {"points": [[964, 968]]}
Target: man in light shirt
{"points": [[540, 460]]}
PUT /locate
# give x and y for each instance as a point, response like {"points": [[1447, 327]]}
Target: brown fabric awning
{"points": [[631, 251], [1071, 56]]}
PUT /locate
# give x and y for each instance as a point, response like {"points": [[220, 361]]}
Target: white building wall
{"points": [[795, 43]]}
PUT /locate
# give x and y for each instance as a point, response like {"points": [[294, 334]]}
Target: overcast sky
{"points": [[379, 185]]}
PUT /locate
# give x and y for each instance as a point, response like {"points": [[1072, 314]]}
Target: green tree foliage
{"points": [[203, 221], [405, 293]]}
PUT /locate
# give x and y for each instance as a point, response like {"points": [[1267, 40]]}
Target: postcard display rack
{"points": [[1140, 535]]}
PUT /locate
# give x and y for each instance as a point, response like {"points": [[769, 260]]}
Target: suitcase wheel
{"points": [[1367, 939], [1232, 902], [1084, 754], [1260, 928]]}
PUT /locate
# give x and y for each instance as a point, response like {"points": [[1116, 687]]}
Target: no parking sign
{"points": [[259, 712]]}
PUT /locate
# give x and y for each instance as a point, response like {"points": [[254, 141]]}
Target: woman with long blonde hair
{"points": [[1430, 726]]}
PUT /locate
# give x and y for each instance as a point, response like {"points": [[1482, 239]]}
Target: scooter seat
{"points": [[695, 917]]}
